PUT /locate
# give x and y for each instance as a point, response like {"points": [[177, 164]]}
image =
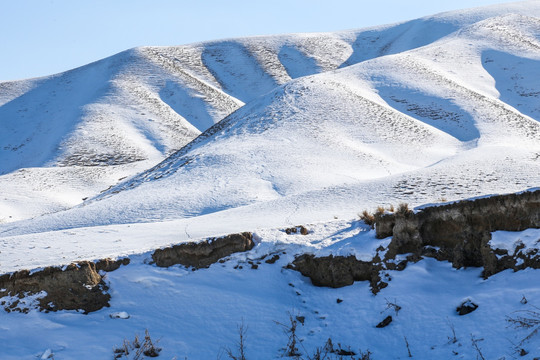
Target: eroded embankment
{"points": [[458, 232], [203, 254], [78, 286], [81, 285]]}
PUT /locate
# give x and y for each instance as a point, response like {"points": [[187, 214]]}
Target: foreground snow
{"points": [[195, 314], [379, 101]]}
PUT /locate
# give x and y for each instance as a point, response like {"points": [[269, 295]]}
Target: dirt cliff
{"points": [[458, 232], [204, 253], [78, 286]]}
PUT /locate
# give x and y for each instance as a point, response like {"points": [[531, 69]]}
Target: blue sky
{"points": [[42, 37]]}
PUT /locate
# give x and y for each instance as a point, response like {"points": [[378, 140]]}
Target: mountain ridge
{"points": [[161, 83]]}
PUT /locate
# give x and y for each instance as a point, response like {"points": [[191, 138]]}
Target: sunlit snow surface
{"points": [[195, 314], [273, 131], [403, 107]]}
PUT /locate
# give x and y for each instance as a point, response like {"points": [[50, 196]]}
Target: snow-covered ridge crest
{"points": [[131, 110]]}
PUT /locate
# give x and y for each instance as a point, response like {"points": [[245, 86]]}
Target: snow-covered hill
{"points": [[130, 111], [420, 126]]}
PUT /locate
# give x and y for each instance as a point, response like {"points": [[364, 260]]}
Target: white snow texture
{"points": [[163, 145]]}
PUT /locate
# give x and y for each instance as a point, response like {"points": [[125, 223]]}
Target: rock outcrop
{"points": [[78, 286], [461, 231], [203, 254], [338, 271], [458, 232], [297, 229], [333, 271]]}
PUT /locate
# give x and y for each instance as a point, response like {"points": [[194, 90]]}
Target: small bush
{"points": [[475, 346], [403, 209], [291, 350], [135, 350], [391, 305], [452, 339], [329, 352], [326, 352], [241, 344], [526, 319], [368, 218]]}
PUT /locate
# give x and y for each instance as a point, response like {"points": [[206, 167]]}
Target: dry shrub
{"points": [[135, 350], [368, 218], [526, 319], [403, 209], [241, 344]]}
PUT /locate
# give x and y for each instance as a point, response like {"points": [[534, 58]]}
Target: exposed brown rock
{"points": [[457, 232], [297, 229], [273, 259], [109, 265], [463, 229], [77, 286], [338, 271], [498, 260], [204, 253]]}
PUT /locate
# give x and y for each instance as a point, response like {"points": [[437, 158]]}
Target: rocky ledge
{"points": [[78, 286], [458, 232], [203, 254]]}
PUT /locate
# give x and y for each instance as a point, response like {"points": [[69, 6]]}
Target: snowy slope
{"points": [[418, 126], [110, 113], [137, 107]]}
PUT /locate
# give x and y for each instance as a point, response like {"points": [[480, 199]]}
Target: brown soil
{"points": [[205, 253], [78, 286], [457, 232]]}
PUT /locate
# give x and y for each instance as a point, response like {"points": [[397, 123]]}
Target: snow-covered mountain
{"points": [[128, 112], [161, 145], [418, 126]]}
